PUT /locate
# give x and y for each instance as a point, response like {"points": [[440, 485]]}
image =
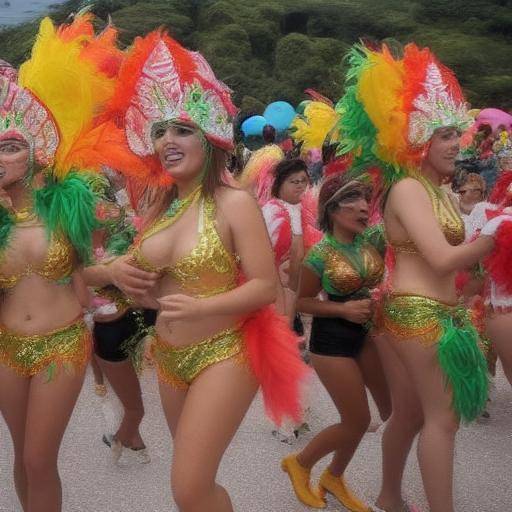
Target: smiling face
{"points": [[350, 217], [14, 161], [443, 150], [181, 149]]}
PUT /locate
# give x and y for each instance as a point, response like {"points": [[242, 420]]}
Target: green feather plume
{"points": [[68, 206], [6, 224], [465, 368]]}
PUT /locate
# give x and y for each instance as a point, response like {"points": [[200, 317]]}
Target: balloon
{"points": [[301, 107], [253, 126], [279, 114], [494, 117]]}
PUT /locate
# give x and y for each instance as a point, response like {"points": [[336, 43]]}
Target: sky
{"points": [[16, 11]]}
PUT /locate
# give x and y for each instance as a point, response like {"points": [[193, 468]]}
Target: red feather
{"points": [[499, 262], [275, 360], [499, 193]]}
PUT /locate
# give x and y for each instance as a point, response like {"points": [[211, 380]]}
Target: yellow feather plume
{"points": [[380, 91], [313, 127], [69, 85]]}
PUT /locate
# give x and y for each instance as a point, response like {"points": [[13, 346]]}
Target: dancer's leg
{"points": [[125, 383], [499, 329], [437, 437], [374, 378], [50, 406], [14, 391], [401, 428], [214, 407], [343, 381]]}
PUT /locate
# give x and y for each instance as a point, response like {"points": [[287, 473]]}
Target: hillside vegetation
{"points": [[274, 49]]}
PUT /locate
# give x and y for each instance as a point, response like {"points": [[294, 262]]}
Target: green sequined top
{"points": [[346, 269]]}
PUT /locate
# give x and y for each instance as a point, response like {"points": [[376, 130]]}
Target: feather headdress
{"points": [[312, 127], [160, 81], [258, 175], [61, 88], [392, 107]]}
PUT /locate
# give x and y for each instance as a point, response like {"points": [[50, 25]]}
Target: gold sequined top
{"points": [[447, 216], [345, 268], [57, 266], [208, 270]]}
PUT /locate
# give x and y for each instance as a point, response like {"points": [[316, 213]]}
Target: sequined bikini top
{"points": [[447, 216], [345, 269], [208, 270], [57, 266]]}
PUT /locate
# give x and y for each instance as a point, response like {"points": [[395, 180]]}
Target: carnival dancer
{"points": [[406, 115], [47, 138], [499, 291], [119, 326], [344, 267], [215, 339], [281, 188]]}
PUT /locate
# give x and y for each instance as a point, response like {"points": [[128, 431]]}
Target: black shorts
{"points": [[110, 338], [337, 337]]}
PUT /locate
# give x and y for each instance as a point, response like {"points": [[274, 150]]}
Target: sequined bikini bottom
{"points": [[27, 355], [179, 366], [408, 316]]}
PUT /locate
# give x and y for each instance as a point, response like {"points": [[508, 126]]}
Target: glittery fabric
{"points": [[22, 115], [345, 268], [179, 366], [209, 269], [58, 265], [447, 217], [436, 108], [165, 92], [27, 355], [415, 317]]}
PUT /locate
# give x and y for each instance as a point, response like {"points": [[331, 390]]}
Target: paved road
{"points": [[251, 467]]}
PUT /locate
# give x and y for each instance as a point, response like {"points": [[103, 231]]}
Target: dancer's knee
{"points": [[358, 422], [190, 489], [445, 423], [38, 466], [407, 419]]}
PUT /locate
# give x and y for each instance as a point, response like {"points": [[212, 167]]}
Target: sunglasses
{"points": [[462, 192]]}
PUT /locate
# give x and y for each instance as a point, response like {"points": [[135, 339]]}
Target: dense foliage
{"points": [[274, 49]]}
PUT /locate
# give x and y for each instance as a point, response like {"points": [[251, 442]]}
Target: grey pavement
{"points": [[250, 469]]}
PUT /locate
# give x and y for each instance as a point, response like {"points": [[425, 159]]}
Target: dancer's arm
{"points": [[131, 280], [410, 204], [358, 311]]}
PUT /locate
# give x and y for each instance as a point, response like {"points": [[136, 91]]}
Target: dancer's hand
{"points": [[357, 311], [180, 307], [129, 279]]}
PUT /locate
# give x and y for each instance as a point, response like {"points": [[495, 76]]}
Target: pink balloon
{"points": [[494, 117]]}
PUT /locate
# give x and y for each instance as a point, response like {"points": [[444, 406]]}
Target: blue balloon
{"points": [[279, 114], [253, 126]]}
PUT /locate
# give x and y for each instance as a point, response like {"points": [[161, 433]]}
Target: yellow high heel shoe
{"points": [[336, 486], [299, 477]]}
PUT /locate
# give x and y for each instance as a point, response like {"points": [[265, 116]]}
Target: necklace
{"points": [[24, 215], [176, 209]]}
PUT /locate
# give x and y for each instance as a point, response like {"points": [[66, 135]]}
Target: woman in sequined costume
{"points": [[344, 267], [215, 341], [414, 110], [47, 218]]}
